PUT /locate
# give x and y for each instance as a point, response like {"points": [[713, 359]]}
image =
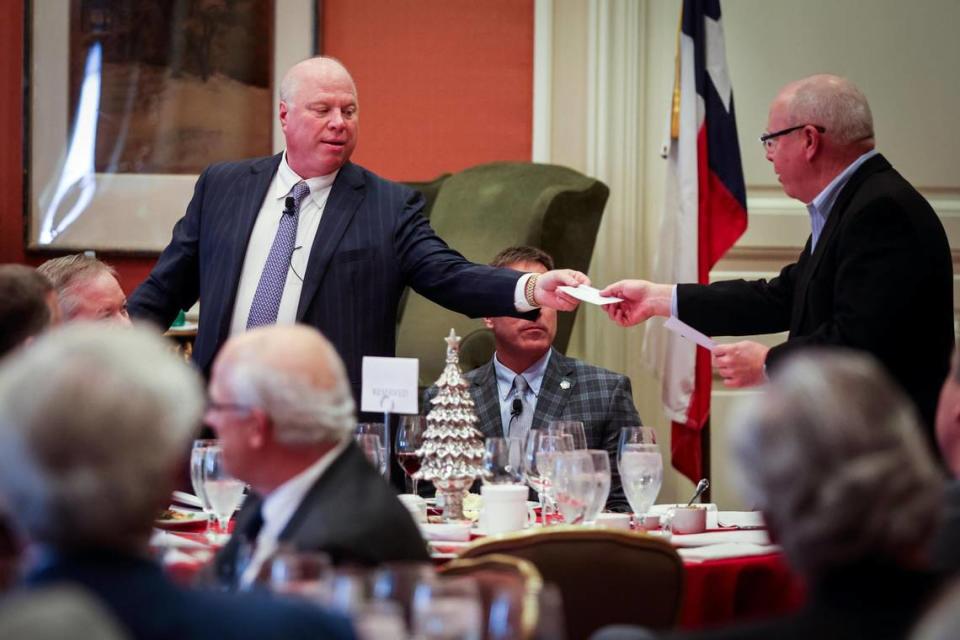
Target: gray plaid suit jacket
{"points": [[600, 398]]}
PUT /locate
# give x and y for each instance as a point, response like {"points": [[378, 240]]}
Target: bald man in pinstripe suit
{"points": [[356, 241]]}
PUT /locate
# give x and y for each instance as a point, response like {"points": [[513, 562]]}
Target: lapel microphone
{"points": [[289, 204], [516, 408]]}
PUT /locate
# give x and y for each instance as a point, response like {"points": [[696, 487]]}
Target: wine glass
{"points": [[222, 490], [377, 429], [409, 440], [574, 484], [641, 468], [600, 460], [196, 476], [572, 427], [503, 460], [300, 573], [370, 444]]}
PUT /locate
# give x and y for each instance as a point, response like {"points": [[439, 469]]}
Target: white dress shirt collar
{"points": [[287, 178]]}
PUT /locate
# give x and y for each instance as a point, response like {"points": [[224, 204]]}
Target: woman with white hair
{"points": [[832, 454]]}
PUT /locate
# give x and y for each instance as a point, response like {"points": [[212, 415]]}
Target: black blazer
{"points": [[371, 243], [351, 513], [880, 280], [150, 606]]}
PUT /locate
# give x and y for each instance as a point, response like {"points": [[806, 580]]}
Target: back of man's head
{"points": [[948, 417], [25, 305], [836, 104], [833, 453], [92, 425], [523, 253], [294, 375]]}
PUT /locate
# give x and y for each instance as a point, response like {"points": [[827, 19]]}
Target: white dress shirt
{"points": [[261, 240], [280, 505]]}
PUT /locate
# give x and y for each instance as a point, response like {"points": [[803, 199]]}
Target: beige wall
{"points": [[903, 55]]}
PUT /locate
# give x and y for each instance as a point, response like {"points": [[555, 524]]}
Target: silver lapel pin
{"points": [[565, 384]]}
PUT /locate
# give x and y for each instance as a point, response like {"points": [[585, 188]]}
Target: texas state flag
{"points": [[705, 213]]}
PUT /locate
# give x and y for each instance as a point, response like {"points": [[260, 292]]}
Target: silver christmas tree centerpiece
{"points": [[452, 451]]}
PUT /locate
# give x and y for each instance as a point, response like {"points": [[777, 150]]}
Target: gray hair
{"points": [[65, 272], [291, 79], [832, 452], [834, 103], [92, 423], [301, 413]]}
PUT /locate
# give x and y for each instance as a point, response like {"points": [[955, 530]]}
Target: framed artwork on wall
{"points": [[129, 100]]}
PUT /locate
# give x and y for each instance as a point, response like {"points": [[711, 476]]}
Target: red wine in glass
{"points": [[410, 462]]}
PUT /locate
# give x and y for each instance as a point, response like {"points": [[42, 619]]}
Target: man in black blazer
{"points": [[308, 237], [282, 408], [93, 425], [556, 387], [876, 273]]}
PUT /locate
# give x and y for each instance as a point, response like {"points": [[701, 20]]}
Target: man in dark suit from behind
{"points": [[875, 275], [306, 236], [282, 408], [555, 387], [93, 423]]}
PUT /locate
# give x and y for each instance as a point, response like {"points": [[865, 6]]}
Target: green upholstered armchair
{"points": [[479, 212]]}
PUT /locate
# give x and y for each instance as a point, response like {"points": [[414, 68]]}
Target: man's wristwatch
{"points": [[530, 287]]}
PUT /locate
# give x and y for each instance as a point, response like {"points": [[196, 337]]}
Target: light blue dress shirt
{"points": [[506, 391], [820, 208]]}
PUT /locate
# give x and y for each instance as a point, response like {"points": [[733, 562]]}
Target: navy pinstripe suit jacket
{"points": [[600, 398], [372, 242]]}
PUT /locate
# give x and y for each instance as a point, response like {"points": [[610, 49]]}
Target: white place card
{"points": [[389, 385], [588, 294], [688, 332]]}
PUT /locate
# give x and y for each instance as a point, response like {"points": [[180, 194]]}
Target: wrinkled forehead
{"points": [[321, 77]]}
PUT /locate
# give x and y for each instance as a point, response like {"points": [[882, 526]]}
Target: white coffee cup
{"points": [[684, 520], [614, 521], [416, 505], [504, 508]]}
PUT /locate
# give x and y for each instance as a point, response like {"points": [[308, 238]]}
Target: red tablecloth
{"points": [[719, 592]]}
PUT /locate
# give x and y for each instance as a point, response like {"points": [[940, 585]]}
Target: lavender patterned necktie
{"points": [[266, 300]]}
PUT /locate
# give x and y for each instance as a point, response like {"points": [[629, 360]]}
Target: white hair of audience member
{"points": [[834, 103], [301, 413], [92, 421], [66, 272], [833, 454]]}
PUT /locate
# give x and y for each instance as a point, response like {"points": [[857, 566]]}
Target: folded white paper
{"points": [[726, 550], [686, 331], [588, 294]]}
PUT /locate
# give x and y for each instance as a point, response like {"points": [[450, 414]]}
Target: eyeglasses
{"points": [[767, 139], [214, 406]]}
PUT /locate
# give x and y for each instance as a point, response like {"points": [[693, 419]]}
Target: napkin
{"points": [[161, 538], [445, 531], [720, 537], [726, 550]]}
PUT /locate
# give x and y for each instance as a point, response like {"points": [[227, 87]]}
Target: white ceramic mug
{"points": [[684, 520], [504, 508]]}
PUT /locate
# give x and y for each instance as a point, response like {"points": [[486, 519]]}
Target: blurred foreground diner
{"points": [[88, 288], [86, 461], [946, 550], [831, 454], [282, 408]]}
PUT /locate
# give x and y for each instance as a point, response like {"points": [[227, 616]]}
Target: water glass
{"points": [[503, 461], [641, 469], [370, 444], [448, 609], [574, 485], [601, 478], [537, 464], [573, 428], [377, 429], [635, 435], [301, 573], [196, 476], [224, 492]]}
